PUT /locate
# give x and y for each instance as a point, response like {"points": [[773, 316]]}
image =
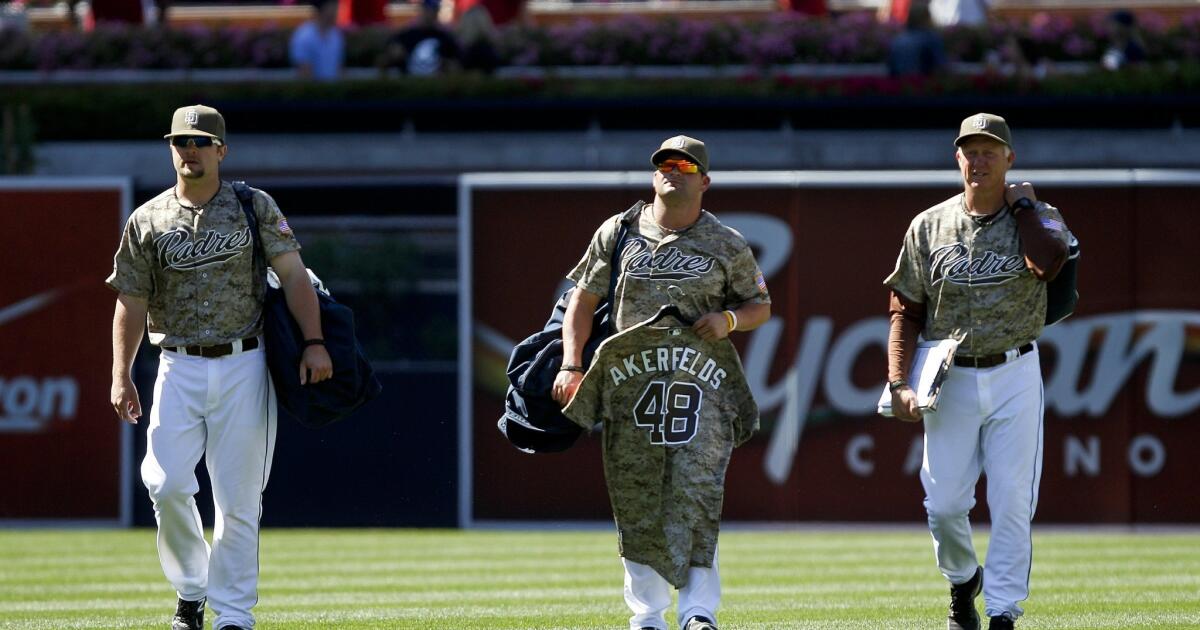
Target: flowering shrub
{"points": [[117, 46], [787, 38], [780, 38]]}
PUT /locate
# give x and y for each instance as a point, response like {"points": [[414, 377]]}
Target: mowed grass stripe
{"points": [[547, 580]]}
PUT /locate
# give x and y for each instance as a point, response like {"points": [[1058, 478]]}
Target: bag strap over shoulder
{"points": [[614, 265], [245, 195]]}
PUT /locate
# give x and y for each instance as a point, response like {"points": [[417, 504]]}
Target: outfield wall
{"points": [[1122, 383], [63, 454], [1122, 375]]}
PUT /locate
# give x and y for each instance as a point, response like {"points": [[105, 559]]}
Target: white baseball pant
{"points": [[648, 594], [224, 409], [988, 420]]}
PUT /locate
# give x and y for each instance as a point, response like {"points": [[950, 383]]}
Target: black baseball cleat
{"points": [[189, 615], [1001, 622], [700, 623], [962, 603]]}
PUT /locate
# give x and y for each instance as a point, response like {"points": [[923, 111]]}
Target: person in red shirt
{"points": [[502, 11]]}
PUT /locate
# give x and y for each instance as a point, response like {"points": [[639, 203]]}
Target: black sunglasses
{"points": [[199, 141]]}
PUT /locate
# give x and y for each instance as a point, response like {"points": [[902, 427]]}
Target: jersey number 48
{"points": [[671, 411]]}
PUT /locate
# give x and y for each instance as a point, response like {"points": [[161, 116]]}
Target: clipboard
{"points": [[931, 362]]}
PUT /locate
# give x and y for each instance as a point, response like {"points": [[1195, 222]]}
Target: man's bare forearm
{"points": [[129, 322]]}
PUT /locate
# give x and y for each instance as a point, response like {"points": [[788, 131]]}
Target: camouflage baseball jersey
{"points": [[702, 269], [673, 407], [972, 276], [196, 267]]}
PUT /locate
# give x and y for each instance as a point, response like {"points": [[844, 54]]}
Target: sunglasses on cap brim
{"points": [[199, 141], [684, 166]]}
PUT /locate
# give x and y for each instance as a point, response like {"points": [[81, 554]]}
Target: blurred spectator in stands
{"points": [[502, 11], [13, 17], [361, 12], [317, 48], [1018, 56], [477, 40], [808, 7], [119, 11], [161, 7], [959, 12], [894, 11], [918, 49], [424, 47], [1125, 41]]}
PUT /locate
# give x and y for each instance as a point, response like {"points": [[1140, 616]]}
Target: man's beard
{"points": [[192, 172]]}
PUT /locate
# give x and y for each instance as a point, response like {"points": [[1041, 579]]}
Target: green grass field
{"points": [[517, 580]]}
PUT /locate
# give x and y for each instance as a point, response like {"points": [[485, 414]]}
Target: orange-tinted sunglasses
{"points": [[684, 166]]}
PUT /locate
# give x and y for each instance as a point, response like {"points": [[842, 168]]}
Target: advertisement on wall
{"points": [[63, 453], [1121, 377]]}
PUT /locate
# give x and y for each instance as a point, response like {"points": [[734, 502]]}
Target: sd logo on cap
{"points": [[989, 125], [197, 120], [690, 147]]}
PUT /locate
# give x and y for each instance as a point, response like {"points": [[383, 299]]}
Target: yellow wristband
{"points": [[731, 319]]}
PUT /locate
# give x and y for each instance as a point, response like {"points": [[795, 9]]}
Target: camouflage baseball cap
{"points": [[690, 147], [197, 120], [989, 125]]}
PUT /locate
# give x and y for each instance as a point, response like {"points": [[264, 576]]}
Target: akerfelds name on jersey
{"points": [[669, 359]]}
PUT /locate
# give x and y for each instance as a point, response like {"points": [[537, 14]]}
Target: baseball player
{"points": [[185, 266], [675, 253], [974, 267]]}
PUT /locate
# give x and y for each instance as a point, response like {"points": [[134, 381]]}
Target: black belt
{"points": [[991, 360], [219, 350]]}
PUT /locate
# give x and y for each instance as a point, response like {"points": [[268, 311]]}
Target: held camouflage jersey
{"points": [[971, 273], [704, 268], [673, 408], [195, 268]]}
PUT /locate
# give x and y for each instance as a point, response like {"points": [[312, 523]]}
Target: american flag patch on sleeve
{"points": [[761, 282], [284, 227], [1052, 224]]}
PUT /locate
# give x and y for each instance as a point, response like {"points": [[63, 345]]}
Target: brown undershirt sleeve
{"points": [[1044, 254], [907, 321]]}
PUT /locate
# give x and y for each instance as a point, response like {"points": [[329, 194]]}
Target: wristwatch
{"points": [[897, 384], [1022, 204]]}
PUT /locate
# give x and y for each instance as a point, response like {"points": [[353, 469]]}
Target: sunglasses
{"points": [[685, 166], [199, 142]]}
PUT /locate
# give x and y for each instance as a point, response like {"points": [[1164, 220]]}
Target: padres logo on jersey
{"points": [[640, 261], [178, 250], [953, 263]]}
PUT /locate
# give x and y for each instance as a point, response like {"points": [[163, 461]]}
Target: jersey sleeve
{"points": [[746, 282], [133, 270], [908, 278], [277, 235], [1052, 221], [592, 272]]}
